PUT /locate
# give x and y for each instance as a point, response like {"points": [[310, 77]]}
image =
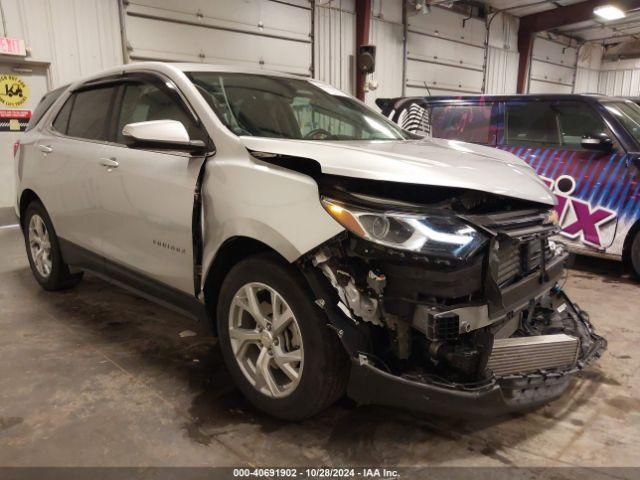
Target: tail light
{"points": [[16, 147]]}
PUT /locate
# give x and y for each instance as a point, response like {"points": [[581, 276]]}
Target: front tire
{"points": [[43, 251], [275, 340], [634, 254]]}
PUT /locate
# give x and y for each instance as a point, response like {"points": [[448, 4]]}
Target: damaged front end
{"points": [[449, 304]]}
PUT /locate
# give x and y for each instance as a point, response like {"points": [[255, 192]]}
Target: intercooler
{"points": [[528, 354]]}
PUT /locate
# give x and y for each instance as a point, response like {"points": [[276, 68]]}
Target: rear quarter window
{"points": [[467, 123], [43, 107]]}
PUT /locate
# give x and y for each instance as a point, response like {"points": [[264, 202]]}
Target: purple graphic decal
{"points": [[578, 219]]}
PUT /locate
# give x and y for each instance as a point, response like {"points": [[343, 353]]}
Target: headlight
{"points": [[438, 235]]}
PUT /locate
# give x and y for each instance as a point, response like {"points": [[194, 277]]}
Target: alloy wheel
{"points": [[40, 246], [266, 340]]}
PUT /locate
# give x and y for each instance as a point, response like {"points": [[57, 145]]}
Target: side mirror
{"points": [[634, 160], [601, 143], [162, 135]]}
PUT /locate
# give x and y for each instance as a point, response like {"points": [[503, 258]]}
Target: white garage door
{"points": [[553, 67], [443, 56], [270, 34]]}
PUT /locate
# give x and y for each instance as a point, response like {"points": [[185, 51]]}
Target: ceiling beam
{"points": [[530, 25], [570, 14], [628, 21]]}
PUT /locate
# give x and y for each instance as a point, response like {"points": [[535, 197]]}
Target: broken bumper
{"points": [[370, 385], [499, 395]]}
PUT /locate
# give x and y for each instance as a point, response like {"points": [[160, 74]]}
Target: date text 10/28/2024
{"points": [[348, 473]]}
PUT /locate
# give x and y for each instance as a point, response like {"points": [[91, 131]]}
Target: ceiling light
{"points": [[609, 12]]}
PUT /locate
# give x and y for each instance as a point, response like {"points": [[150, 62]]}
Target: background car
{"points": [[585, 147]]}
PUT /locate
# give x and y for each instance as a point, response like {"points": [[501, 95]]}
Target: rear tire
{"points": [[323, 366], [43, 250]]}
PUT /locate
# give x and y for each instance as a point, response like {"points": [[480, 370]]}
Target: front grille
{"points": [[522, 238], [518, 258]]}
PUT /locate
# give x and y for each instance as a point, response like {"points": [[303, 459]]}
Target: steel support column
{"points": [[363, 24]]}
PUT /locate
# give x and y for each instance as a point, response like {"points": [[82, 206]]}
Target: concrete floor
{"points": [[98, 377]]}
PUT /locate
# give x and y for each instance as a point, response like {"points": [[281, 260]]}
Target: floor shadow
{"points": [[610, 271]]}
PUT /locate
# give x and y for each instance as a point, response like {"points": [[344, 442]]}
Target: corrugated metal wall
{"points": [[502, 60], [621, 78], [334, 40], [387, 35], [76, 37], [588, 71], [270, 34], [334, 43]]}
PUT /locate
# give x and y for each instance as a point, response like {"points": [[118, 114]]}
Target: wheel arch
{"points": [[27, 197], [628, 241], [231, 252]]}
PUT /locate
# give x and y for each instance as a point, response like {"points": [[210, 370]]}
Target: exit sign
{"points": [[12, 46]]}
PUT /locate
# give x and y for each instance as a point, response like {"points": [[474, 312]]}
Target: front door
{"points": [[547, 135], [147, 197]]}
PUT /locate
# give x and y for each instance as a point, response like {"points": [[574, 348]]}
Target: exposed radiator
{"points": [[528, 354]]}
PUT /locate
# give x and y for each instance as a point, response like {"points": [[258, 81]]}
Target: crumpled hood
{"points": [[437, 162]]}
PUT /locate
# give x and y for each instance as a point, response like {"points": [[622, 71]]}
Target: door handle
{"points": [[45, 148], [109, 163]]}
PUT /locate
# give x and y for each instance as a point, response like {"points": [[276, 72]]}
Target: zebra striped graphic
{"points": [[415, 119]]}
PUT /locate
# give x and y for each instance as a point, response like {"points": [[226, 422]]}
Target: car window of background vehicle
{"points": [[532, 124], [628, 114], [467, 123], [576, 120]]}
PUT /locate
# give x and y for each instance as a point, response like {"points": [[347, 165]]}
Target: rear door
{"points": [[547, 135], [69, 170], [147, 196]]}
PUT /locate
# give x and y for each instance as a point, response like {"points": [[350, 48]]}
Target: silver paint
{"points": [[119, 210]]}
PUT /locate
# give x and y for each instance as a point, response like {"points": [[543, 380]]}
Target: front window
{"points": [[561, 124], [277, 107], [628, 113]]}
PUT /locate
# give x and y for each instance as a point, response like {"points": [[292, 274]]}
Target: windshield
{"points": [[266, 106], [628, 113]]}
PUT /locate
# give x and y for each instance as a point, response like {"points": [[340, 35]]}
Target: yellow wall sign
{"points": [[13, 91]]}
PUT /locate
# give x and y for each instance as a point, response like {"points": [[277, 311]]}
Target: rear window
{"points": [[43, 107], [90, 113], [467, 123]]}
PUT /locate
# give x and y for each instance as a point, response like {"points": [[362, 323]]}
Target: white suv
{"points": [[333, 251]]}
